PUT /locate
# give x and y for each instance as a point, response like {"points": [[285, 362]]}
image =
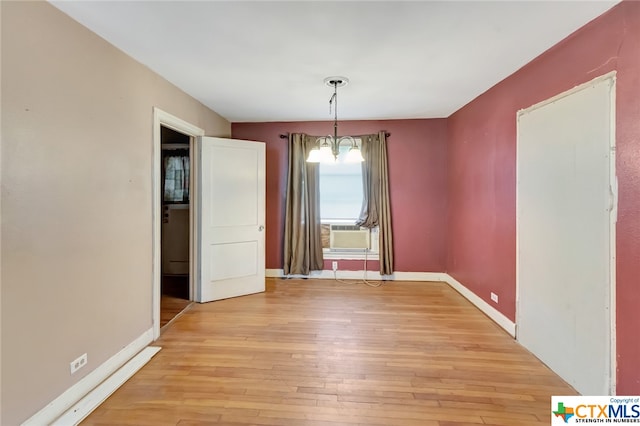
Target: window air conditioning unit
{"points": [[348, 237]]}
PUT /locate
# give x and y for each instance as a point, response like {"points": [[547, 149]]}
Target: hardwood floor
{"points": [[316, 352], [170, 307], [175, 297]]}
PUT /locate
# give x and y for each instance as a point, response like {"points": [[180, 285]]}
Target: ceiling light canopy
{"points": [[328, 147]]}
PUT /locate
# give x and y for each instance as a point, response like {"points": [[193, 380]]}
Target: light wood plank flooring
{"points": [[316, 352], [170, 307]]}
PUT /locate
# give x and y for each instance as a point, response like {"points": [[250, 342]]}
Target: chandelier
{"points": [[328, 147]]}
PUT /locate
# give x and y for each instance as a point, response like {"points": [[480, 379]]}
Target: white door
{"points": [[231, 215], [564, 229]]}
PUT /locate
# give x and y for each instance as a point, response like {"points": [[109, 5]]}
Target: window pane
{"points": [[340, 189]]}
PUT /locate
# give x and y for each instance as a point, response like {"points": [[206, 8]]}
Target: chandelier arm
{"points": [[350, 139], [329, 146]]}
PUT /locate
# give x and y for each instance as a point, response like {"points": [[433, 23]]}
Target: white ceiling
{"points": [[266, 61]]}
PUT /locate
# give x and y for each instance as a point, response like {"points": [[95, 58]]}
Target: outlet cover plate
{"points": [[78, 363]]}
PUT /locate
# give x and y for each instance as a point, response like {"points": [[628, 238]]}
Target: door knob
{"points": [[260, 228]]}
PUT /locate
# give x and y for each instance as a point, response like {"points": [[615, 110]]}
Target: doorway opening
{"points": [[175, 241], [173, 266]]}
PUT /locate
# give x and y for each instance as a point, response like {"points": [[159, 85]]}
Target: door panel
{"points": [[231, 217], [236, 201], [564, 231], [234, 260]]}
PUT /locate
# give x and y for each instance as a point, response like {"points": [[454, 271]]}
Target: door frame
{"points": [[613, 187], [162, 118]]}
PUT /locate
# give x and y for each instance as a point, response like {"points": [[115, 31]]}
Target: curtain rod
{"points": [[286, 135]]}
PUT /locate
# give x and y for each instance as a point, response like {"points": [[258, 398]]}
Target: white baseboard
{"points": [[418, 276], [274, 273], [358, 275], [328, 275], [75, 393], [86, 405], [499, 318]]}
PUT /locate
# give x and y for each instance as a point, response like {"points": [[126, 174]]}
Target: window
{"points": [[341, 196], [340, 190]]}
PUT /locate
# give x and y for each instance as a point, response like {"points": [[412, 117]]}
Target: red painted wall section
{"points": [[417, 155], [482, 160]]}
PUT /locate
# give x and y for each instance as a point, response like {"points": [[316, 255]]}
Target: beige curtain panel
{"points": [[302, 242], [376, 207]]}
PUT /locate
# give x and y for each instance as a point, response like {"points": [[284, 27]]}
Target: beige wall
{"points": [[76, 199]]}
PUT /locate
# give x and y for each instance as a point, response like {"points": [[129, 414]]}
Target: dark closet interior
{"points": [[175, 236]]}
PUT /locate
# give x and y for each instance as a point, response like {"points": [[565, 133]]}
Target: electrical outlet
{"points": [[494, 297], [334, 265], [78, 363]]}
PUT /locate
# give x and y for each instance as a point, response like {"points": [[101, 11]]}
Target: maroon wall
{"points": [[482, 160], [417, 155]]}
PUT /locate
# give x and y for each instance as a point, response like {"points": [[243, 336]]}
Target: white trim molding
{"points": [[93, 399], [329, 254], [358, 275], [497, 316], [75, 393], [162, 118]]}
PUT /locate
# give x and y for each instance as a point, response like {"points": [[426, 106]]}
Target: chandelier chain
{"points": [[328, 147], [335, 110]]}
